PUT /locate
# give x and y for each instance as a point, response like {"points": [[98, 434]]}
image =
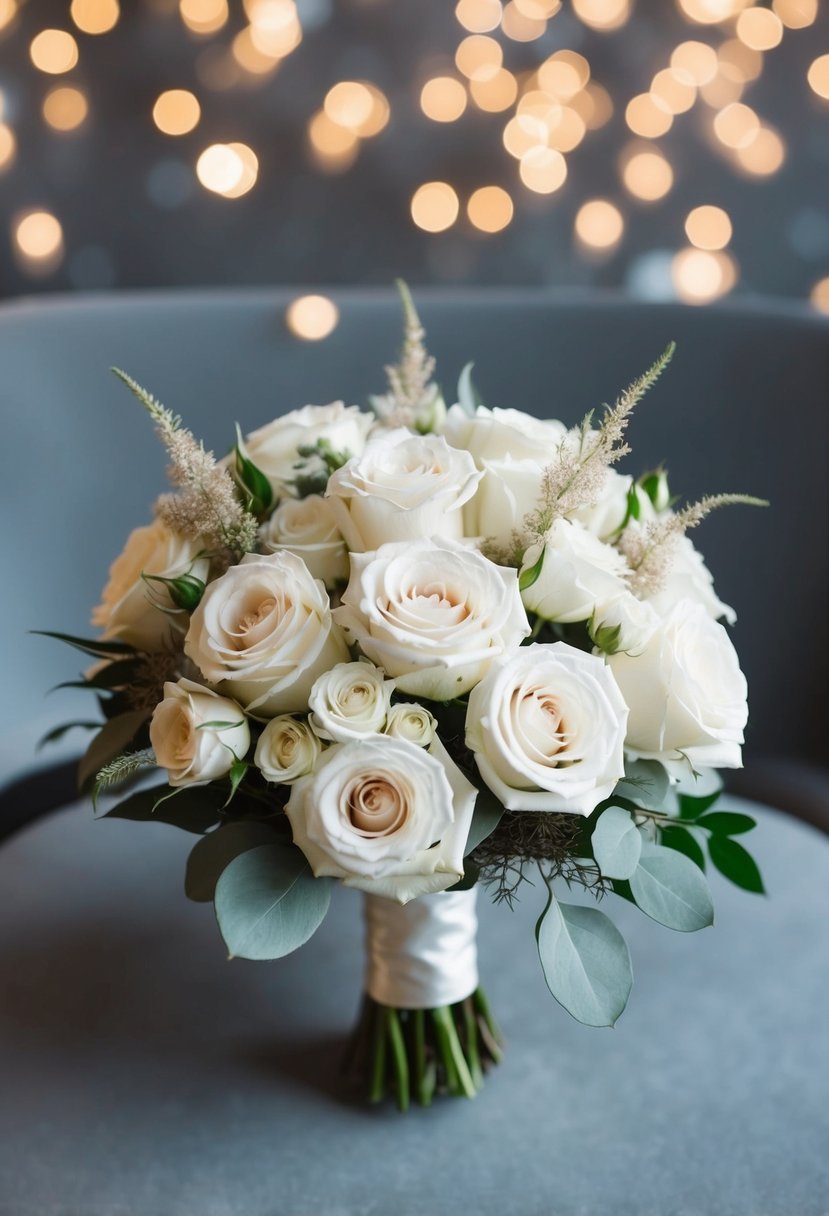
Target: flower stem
{"points": [[398, 1052]]}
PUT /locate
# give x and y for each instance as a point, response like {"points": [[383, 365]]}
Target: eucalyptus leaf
{"points": [[118, 674], [268, 903], [485, 819], [193, 809], [58, 732], [113, 738], [617, 843], [669, 888], [726, 823], [736, 864], [645, 783], [215, 851], [586, 962], [680, 838]]}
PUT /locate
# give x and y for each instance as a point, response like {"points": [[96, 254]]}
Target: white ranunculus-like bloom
{"points": [[634, 619], [579, 573], [287, 750], [384, 815], [413, 722], [196, 734], [689, 578], [128, 610], [306, 527], [275, 448], [686, 693], [512, 449], [433, 614], [264, 632], [403, 487], [547, 727], [349, 701]]}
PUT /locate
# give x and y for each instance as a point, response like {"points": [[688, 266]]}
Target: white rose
{"points": [[625, 623], [403, 487], [686, 693], [689, 578], [350, 700], [411, 721], [578, 573], [275, 448], [512, 449], [129, 608], [433, 614], [306, 527], [287, 750], [547, 727], [264, 632], [196, 734], [385, 816]]}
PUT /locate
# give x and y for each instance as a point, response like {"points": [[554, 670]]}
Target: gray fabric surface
{"points": [[144, 1075]]}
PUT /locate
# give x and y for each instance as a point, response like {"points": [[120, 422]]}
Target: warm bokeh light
{"points": [[434, 206], [818, 76], [227, 169], [349, 104], [8, 11], [739, 62], [249, 56], [736, 126], [796, 14], [176, 112], [65, 108], [54, 51], [519, 26], [275, 28], [602, 14], [711, 12], [599, 224], [721, 91], [708, 227], [595, 105], [312, 317], [538, 9], [671, 92], [8, 146], [443, 99], [479, 57], [490, 209], [496, 94], [479, 16], [95, 16], [543, 170], [566, 130], [250, 170], [647, 175], [760, 29], [700, 276], [764, 155], [564, 74], [646, 117], [694, 62], [819, 295], [334, 149], [524, 132], [204, 16], [38, 238]]}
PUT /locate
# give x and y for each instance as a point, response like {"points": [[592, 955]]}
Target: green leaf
{"points": [[485, 818], [252, 479], [468, 396], [215, 851], [585, 960], [680, 838], [606, 637], [192, 808], [471, 874], [670, 889], [97, 649], [268, 903], [697, 795], [726, 823], [112, 739], [645, 783], [617, 843], [528, 577], [58, 732], [736, 864], [118, 674], [692, 808], [237, 775]]}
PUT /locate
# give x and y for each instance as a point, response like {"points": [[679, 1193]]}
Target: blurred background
{"points": [[678, 149]]}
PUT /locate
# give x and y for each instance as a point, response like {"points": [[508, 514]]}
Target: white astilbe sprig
{"points": [[412, 392], [206, 505], [650, 549]]}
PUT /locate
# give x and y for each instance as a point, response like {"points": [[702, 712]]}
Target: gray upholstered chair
{"points": [[744, 408]]}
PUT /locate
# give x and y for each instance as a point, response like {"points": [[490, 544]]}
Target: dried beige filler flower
{"points": [[412, 394]]}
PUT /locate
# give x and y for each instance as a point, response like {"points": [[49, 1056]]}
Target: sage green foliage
{"points": [[670, 889], [468, 396], [645, 783], [585, 960], [617, 843], [211, 855], [268, 902]]}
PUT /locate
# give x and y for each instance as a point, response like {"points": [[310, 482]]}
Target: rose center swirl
{"points": [[375, 805]]}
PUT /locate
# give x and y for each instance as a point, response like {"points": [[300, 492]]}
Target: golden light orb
{"points": [[490, 209], [65, 108], [711, 12], [249, 56], [602, 14], [599, 224], [38, 239], [176, 111], [819, 296], [312, 318], [434, 206], [496, 94], [736, 125], [95, 16], [539, 10], [818, 76], [694, 62], [54, 52], [334, 149], [8, 11], [478, 16], [764, 155], [443, 99], [672, 92], [564, 75], [8, 146], [204, 16], [647, 175], [524, 132], [739, 62], [759, 28], [700, 276], [349, 104], [708, 227], [646, 117], [796, 14], [479, 57], [543, 170], [595, 105], [520, 26], [221, 169]]}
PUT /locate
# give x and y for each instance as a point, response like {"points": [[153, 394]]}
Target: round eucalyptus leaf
{"points": [[617, 843], [586, 962], [672, 890]]}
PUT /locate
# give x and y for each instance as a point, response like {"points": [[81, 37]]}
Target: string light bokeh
{"points": [[675, 148]]}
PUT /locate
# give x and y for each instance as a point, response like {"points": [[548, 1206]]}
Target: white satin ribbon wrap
{"points": [[422, 954]]}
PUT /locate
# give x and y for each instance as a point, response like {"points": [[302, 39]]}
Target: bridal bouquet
{"points": [[416, 650]]}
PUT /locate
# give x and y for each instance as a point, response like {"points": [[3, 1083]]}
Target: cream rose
{"points": [[403, 487], [625, 623], [413, 722], [275, 448], [578, 573], [686, 693], [384, 815], [547, 727], [196, 734], [689, 578], [306, 527], [287, 750], [132, 610], [264, 632], [512, 450], [433, 614], [350, 700]]}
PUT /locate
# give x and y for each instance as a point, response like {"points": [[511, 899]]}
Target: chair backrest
{"points": [[743, 408]]}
